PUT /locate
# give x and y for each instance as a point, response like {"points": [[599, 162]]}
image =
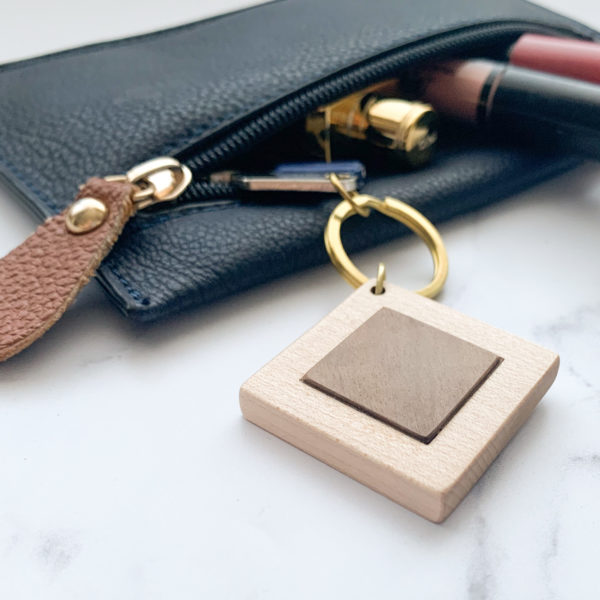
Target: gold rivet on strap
{"points": [[85, 215]]}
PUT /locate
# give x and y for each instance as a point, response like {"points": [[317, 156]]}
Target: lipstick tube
{"points": [[562, 56], [520, 104]]}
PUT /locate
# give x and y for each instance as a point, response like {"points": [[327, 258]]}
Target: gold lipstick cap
{"points": [[375, 116]]}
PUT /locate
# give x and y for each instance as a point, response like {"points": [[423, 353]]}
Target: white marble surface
{"points": [[127, 471]]}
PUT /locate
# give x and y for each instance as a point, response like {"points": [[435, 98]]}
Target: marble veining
{"points": [[481, 578]]}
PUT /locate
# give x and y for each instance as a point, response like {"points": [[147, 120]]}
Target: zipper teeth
{"points": [[298, 105]]}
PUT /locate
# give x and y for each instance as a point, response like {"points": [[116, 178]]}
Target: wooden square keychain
{"points": [[400, 392]]}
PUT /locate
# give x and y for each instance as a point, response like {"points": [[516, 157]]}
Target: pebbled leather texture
{"points": [[103, 108], [42, 276]]}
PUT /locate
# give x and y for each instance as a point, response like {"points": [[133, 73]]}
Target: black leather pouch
{"points": [[217, 91]]}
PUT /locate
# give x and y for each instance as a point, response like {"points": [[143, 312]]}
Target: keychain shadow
{"points": [[472, 514]]}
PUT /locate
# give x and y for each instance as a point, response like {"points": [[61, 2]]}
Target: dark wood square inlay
{"points": [[403, 372]]}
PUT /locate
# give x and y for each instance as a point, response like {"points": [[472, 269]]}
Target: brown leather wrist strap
{"points": [[42, 276]]}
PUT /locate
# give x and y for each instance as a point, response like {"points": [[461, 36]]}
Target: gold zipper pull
{"points": [[158, 180]]}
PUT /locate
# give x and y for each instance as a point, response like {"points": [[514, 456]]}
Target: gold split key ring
{"points": [[354, 203]]}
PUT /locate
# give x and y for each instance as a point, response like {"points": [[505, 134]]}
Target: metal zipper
{"points": [[204, 160]]}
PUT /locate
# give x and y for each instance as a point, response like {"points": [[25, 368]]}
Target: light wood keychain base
{"points": [[460, 396]]}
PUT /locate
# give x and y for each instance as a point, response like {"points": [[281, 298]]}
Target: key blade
{"points": [[294, 184], [269, 183]]}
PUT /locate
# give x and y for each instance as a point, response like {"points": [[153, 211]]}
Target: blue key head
{"points": [[351, 168]]}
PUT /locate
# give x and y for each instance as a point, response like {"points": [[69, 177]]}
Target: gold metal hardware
{"points": [[85, 215], [378, 116], [284, 183], [395, 209], [348, 196], [380, 281], [158, 180]]}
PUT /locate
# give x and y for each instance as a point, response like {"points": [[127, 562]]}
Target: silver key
{"points": [[271, 183]]}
